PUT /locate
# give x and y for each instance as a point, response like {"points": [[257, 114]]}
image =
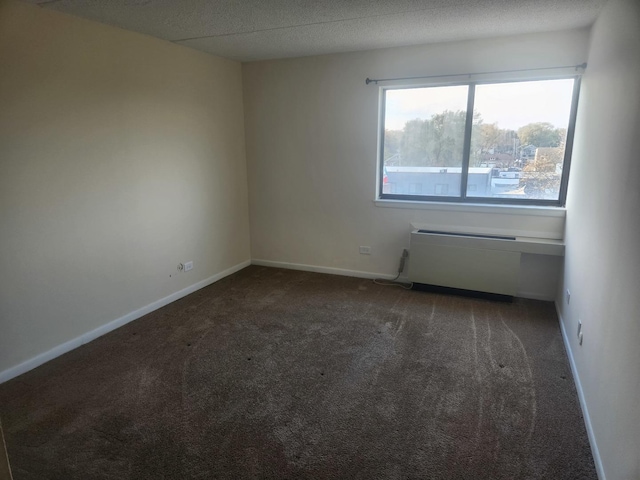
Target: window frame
{"points": [[463, 198]]}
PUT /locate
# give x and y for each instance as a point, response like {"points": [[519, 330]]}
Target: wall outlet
{"points": [[365, 250], [568, 297], [579, 327], [188, 266]]}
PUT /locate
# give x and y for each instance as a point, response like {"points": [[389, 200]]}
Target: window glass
{"points": [[424, 139], [515, 142], [520, 132]]}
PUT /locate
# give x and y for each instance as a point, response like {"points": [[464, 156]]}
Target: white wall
{"points": [[602, 264], [120, 157], [311, 135]]}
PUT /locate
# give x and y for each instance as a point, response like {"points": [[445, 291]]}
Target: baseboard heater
{"points": [[465, 262]]}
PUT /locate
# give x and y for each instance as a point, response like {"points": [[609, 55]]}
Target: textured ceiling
{"points": [[249, 30]]}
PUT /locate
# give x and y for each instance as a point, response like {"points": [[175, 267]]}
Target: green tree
{"points": [[445, 138], [541, 134], [413, 146], [490, 136], [434, 142], [392, 142]]}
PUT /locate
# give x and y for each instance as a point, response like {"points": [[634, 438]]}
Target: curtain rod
{"points": [[368, 81]]}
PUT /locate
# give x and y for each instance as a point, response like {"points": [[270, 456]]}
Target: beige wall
{"points": [[312, 126], [602, 267], [120, 157]]}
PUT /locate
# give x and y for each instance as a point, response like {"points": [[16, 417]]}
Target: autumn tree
{"points": [[542, 177]]}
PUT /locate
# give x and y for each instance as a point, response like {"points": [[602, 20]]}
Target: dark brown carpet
{"points": [[281, 374]]}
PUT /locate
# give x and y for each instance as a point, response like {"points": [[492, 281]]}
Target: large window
{"points": [[478, 142]]}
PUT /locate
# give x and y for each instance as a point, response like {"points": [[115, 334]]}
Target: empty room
{"points": [[319, 240]]}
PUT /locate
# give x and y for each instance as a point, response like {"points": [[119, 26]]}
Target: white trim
{"points": [[318, 269], [583, 403], [533, 210], [44, 357]]}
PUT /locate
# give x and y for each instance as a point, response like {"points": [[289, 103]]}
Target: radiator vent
{"points": [[465, 261], [472, 235]]}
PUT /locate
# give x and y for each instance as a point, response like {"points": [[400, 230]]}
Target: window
{"points": [[442, 189], [506, 142], [415, 188]]}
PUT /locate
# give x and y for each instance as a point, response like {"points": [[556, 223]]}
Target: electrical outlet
{"points": [[568, 297], [365, 250], [579, 327], [188, 266]]}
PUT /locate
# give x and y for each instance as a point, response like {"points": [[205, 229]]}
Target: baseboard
{"points": [[535, 296], [583, 404], [318, 269], [361, 274], [44, 357]]}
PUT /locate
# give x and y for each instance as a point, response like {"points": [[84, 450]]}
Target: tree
{"points": [[434, 142], [491, 143], [445, 138], [541, 134], [413, 148], [392, 141], [490, 136], [541, 176]]}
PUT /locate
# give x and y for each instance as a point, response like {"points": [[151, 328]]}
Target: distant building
{"points": [[495, 159], [527, 153], [445, 181]]}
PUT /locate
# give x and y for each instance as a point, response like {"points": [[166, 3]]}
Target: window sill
{"points": [[520, 210]]}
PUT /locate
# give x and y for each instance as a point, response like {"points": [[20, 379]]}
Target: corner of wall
{"points": [[581, 397]]}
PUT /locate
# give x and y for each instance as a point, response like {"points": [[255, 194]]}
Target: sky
{"points": [[510, 105]]}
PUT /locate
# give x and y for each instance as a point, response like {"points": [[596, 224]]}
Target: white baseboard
{"points": [[317, 269], [44, 357], [583, 404]]}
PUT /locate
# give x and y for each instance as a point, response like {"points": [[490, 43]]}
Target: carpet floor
{"points": [[282, 374]]}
